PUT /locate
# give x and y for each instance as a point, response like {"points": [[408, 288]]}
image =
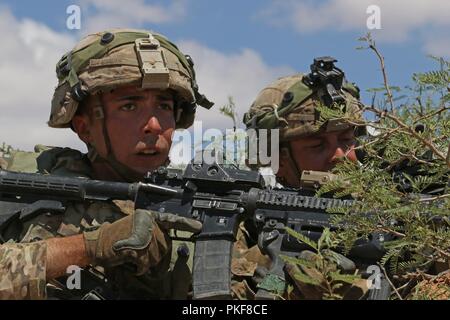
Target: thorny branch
{"points": [[412, 132], [383, 70]]}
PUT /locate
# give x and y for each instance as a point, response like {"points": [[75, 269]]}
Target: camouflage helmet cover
{"points": [[105, 60], [291, 106]]}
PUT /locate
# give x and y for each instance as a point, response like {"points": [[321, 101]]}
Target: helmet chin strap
{"points": [[124, 172]]}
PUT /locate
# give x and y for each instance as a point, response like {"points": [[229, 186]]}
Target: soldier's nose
{"points": [[152, 126], [338, 155]]}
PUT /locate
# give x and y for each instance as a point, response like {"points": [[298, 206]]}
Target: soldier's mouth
{"points": [[147, 148], [148, 152]]}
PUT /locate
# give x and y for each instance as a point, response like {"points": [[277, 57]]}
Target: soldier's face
{"points": [[320, 152], [139, 123]]}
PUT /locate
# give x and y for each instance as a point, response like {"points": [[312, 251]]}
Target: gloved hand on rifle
{"points": [[140, 238]]}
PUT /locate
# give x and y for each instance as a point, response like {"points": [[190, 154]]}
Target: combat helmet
{"points": [[291, 105], [103, 61]]}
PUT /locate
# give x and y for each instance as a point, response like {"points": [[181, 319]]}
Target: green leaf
{"points": [[324, 238], [302, 238], [298, 261], [273, 283], [348, 278], [302, 277]]}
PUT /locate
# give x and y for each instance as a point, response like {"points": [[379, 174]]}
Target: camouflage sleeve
{"points": [[3, 163], [22, 270]]}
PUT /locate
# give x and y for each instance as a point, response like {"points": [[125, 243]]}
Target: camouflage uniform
{"points": [[22, 266], [80, 217], [290, 105], [100, 62], [22, 270], [3, 163], [4, 153]]}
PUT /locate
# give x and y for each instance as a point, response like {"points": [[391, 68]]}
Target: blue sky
{"points": [[238, 46]]}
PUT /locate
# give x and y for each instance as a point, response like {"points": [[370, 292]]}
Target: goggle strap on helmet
{"points": [[295, 95], [77, 60], [72, 62]]}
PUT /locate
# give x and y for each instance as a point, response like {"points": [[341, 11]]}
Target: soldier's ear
{"points": [[284, 157], [287, 172], [283, 168], [81, 125]]}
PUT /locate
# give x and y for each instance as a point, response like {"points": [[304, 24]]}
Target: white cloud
{"points": [[27, 64], [240, 75], [29, 53], [400, 19], [438, 45], [104, 14]]}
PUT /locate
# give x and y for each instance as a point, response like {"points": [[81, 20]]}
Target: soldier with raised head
{"points": [[309, 146], [123, 92]]}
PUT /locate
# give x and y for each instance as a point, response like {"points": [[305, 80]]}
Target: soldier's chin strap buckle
{"points": [[155, 74]]}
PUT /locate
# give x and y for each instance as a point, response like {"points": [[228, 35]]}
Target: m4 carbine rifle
{"points": [[218, 196]]}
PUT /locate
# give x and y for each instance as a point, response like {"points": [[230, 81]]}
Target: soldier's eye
{"points": [[316, 146], [128, 107], [166, 106]]}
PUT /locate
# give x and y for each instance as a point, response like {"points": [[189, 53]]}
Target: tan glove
{"points": [[140, 239]]}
